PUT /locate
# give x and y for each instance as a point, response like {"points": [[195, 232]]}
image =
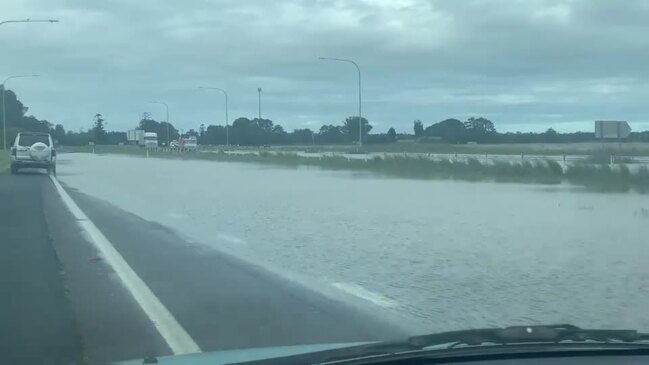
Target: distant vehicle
{"points": [[189, 143], [173, 144], [135, 136], [150, 140], [33, 150]]}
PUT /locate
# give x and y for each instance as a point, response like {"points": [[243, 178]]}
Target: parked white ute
{"points": [[33, 150]]}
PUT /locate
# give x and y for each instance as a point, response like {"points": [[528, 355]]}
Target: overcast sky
{"points": [[526, 65]]}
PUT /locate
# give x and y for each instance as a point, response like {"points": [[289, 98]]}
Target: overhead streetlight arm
{"points": [[213, 88], [17, 76], [342, 60], [30, 21]]}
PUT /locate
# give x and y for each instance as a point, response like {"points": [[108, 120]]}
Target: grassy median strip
{"points": [[4, 160], [603, 178]]}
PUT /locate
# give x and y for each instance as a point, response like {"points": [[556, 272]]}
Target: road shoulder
{"points": [[110, 323], [36, 322]]}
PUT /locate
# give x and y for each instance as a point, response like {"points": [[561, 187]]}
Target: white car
{"points": [[33, 150], [189, 143]]}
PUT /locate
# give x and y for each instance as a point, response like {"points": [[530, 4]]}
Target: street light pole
{"points": [[360, 117], [259, 91], [227, 133], [167, 109], [4, 116]]}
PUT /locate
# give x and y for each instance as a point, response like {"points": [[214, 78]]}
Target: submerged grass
{"points": [[595, 177]]}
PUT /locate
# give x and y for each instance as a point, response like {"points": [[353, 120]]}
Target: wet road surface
{"points": [[36, 321], [67, 305]]}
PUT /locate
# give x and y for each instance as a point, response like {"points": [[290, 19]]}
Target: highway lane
{"points": [[36, 323], [68, 306], [60, 305]]}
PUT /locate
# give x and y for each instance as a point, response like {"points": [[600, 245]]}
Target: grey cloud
{"points": [[526, 63]]}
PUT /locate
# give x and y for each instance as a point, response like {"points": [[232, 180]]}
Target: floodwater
{"points": [[444, 254]]}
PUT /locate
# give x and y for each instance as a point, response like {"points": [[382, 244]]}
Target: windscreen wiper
{"points": [[526, 334], [544, 334]]}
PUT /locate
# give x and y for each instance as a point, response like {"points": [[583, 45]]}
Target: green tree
{"points": [[241, 131], [278, 135], [149, 125], [214, 135], [449, 130], [550, 136], [58, 133], [419, 128], [301, 136], [15, 109], [350, 128], [116, 138], [392, 135], [331, 134], [77, 139], [99, 129], [480, 130]]}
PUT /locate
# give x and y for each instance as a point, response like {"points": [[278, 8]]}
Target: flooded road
{"points": [[446, 255]]}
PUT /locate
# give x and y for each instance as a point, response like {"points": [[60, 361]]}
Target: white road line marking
{"points": [[359, 291], [173, 333]]}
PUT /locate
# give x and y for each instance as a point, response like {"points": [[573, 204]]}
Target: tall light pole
{"points": [[30, 21], [227, 133], [167, 109], [259, 91], [4, 116], [360, 117]]}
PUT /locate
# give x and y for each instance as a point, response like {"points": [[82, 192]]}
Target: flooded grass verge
{"points": [[605, 178]]}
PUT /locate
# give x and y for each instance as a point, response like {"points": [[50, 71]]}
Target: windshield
{"points": [[235, 175], [27, 140]]}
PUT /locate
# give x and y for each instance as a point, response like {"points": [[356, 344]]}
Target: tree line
{"points": [[482, 130], [259, 132]]}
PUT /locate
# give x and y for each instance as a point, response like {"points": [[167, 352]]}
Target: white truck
{"points": [[135, 136], [150, 140]]}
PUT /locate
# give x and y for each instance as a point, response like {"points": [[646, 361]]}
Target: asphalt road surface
{"points": [[64, 304]]}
